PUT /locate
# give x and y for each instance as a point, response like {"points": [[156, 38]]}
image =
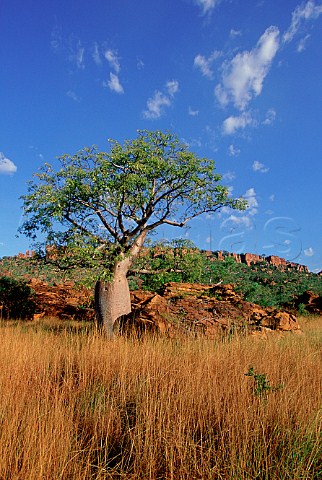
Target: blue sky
{"points": [[240, 81]]}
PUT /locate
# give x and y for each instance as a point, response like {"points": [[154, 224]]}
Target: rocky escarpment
{"points": [[252, 258], [245, 258]]}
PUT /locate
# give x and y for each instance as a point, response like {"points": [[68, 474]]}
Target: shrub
{"points": [[17, 299], [302, 310]]}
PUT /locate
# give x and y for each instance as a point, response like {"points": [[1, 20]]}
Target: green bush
{"points": [[17, 299]]}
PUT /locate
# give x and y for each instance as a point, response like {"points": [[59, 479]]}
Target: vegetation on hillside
{"points": [[261, 283], [179, 261]]}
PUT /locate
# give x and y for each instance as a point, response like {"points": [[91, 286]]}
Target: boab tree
{"points": [[101, 206]]}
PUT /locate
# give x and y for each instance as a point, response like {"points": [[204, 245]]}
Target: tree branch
{"points": [[108, 227], [82, 228], [119, 215]]}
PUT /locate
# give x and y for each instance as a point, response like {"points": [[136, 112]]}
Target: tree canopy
{"points": [[105, 200]]}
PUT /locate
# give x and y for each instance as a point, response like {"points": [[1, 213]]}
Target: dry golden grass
{"points": [[76, 406]]}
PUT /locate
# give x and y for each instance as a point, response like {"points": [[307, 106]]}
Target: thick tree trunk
{"points": [[112, 299]]}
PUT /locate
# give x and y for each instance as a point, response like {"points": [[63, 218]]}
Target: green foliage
{"points": [[261, 384], [302, 310], [264, 284], [17, 299], [175, 261], [224, 271]]}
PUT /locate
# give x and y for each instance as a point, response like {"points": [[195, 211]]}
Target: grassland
{"points": [[76, 406]]}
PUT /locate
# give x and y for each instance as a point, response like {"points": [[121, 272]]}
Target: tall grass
{"points": [[76, 406]]}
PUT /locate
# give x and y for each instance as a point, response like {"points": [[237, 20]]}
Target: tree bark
{"points": [[112, 299]]}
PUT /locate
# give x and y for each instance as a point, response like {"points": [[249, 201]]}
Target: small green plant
{"points": [[302, 310], [261, 384]]}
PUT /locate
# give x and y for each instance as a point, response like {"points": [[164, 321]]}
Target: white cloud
{"points": [[229, 176], [193, 142], [114, 84], [172, 87], [160, 100], [139, 64], [113, 60], [56, 39], [71, 47], [233, 123], [302, 44], [233, 151], [234, 33], [309, 252], [244, 220], [243, 76], [7, 167], [259, 167], [272, 197], [204, 64], [192, 112], [304, 12], [224, 211], [234, 221], [96, 54], [71, 94], [252, 202], [80, 57], [269, 117], [155, 105], [76, 52], [207, 5]]}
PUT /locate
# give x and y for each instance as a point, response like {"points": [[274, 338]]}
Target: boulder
{"points": [[202, 309], [311, 301], [63, 301]]}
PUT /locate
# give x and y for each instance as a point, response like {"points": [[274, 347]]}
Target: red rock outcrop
{"points": [[183, 308], [27, 254], [249, 258], [202, 309], [311, 301], [252, 258], [275, 260], [62, 301]]}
